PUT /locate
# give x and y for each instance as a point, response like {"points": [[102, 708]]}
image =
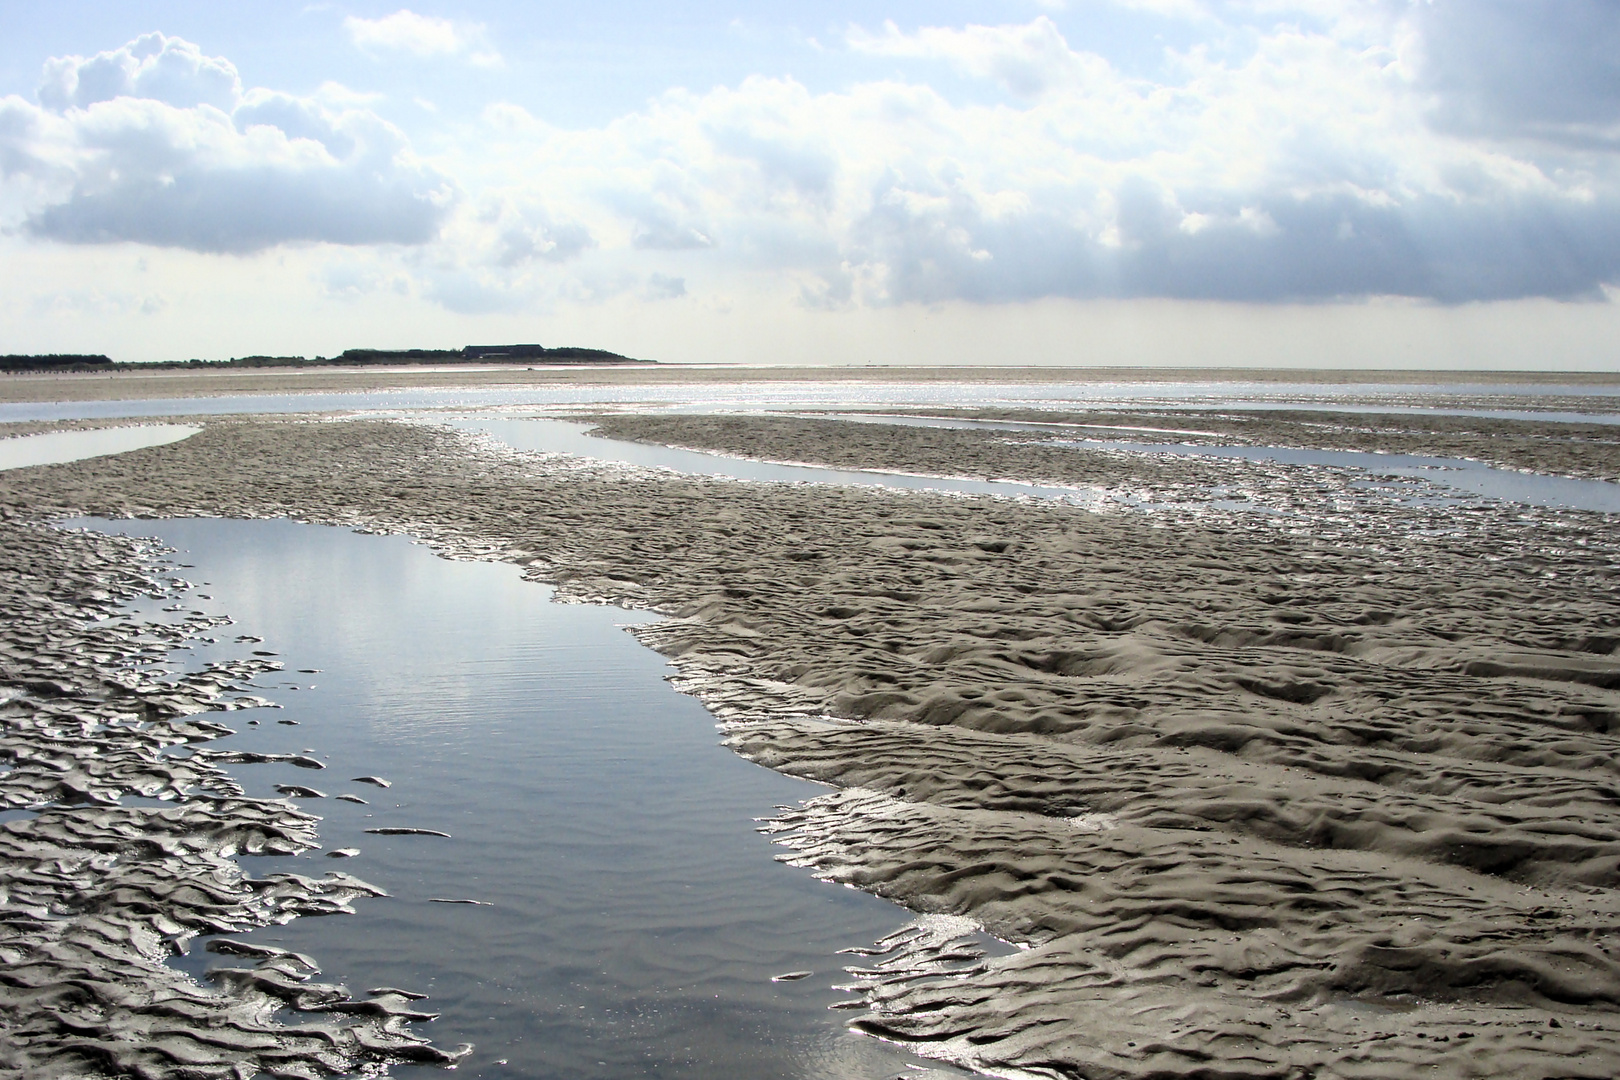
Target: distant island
{"points": [[470, 354]]}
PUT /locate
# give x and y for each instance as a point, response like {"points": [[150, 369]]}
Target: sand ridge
{"points": [[1583, 450], [1322, 795]]}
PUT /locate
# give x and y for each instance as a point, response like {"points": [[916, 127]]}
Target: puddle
{"points": [[59, 447], [629, 918]]}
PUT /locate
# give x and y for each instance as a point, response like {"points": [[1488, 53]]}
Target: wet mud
{"points": [[1324, 793], [1588, 451]]}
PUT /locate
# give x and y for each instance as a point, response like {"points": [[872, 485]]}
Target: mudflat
{"points": [[189, 382], [1325, 791], [1573, 449]]}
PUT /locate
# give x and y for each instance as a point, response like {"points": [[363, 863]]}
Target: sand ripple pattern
{"points": [[1325, 795], [95, 895]]}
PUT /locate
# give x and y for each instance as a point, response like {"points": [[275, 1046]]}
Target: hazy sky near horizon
{"points": [[1300, 182]]}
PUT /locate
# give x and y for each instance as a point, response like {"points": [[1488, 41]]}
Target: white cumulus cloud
{"points": [[155, 67], [1307, 159], [421, 35], [1027, 59], [1307, 150], [155, 143]]}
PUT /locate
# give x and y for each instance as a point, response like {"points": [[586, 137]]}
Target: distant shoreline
{"points": [[127, 384]]}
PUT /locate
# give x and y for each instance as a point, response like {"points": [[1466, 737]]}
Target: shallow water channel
{"points": [[1455, 474], [565, 437], [629, 918], [1459, 474]]}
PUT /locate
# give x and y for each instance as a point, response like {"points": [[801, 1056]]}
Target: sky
{"points": [[1298, 183]]}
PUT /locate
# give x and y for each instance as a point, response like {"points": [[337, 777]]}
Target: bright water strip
{"points": [[834, 394], [556, 436], [1459, 474], [59, 447], [563, 437]]}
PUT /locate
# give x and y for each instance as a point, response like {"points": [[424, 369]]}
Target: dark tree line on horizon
{"points": [[482, 354]]}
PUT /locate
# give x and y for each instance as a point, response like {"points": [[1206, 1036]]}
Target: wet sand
{"points": [[1331, 792], [95, 896], [1589, 451]]}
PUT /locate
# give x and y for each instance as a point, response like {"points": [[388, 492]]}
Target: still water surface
{"points": [[562, 437], [1529, 401], [1459, 474], [57, 447], [635, 917]]}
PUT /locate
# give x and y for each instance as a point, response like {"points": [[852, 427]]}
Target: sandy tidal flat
{"points": [[1325, 793]]}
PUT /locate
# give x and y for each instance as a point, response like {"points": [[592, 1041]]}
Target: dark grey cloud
{"points": [[243, 210], [1279, 247], [155, 143], [1542, 68], [1446, 150]]}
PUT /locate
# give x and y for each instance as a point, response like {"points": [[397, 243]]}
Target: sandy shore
{"points": [[1326, 793]]}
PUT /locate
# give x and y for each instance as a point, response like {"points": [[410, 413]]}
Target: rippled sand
{"points": [[1585, 450], [1326, 792], [95, 896]]}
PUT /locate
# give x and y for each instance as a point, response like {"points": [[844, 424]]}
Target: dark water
{"points": [[635, 917]]}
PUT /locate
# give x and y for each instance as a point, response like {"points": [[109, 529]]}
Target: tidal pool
{"points": [[628, 918], [57, 447]]}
